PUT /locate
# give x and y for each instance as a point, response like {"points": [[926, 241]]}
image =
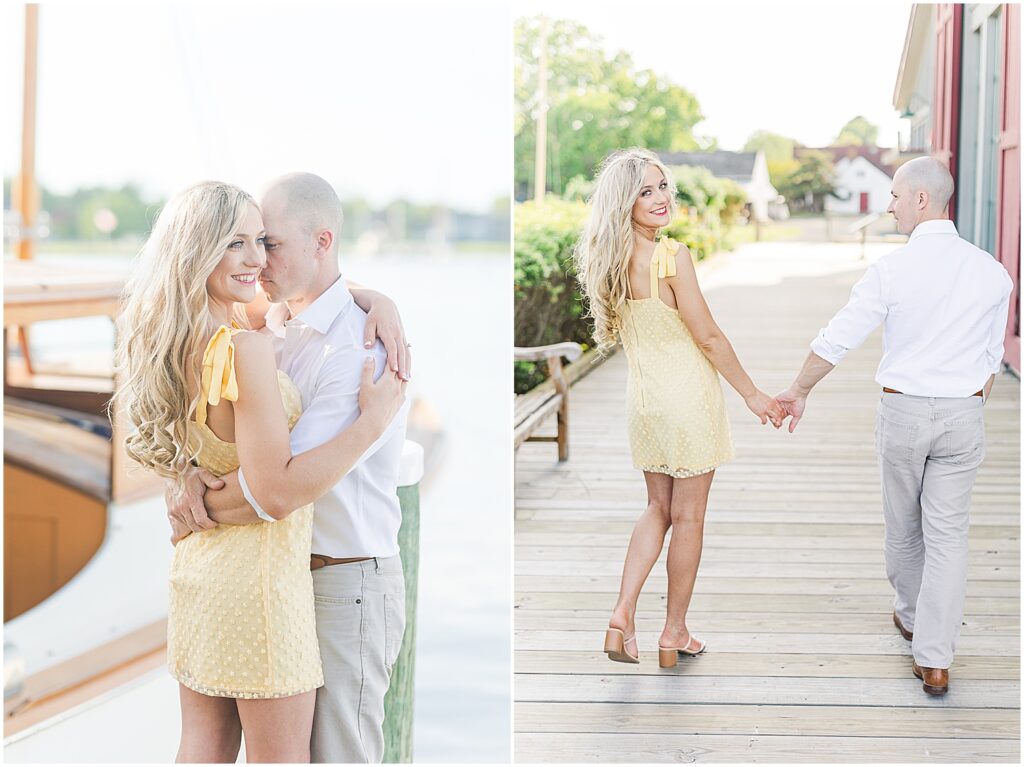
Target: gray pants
{"points": [[360, 619], [930, 449]]}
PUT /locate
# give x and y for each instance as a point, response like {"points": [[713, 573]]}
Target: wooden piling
{"points": [[398, 703]]}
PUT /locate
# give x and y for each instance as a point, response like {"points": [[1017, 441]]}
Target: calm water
{"points": [[455, 310]]}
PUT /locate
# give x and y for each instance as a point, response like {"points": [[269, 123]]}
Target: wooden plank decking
{"points": [[804, 664]]}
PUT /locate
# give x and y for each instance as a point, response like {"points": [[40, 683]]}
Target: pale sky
{"points": [[383, 100], [799, 69]]}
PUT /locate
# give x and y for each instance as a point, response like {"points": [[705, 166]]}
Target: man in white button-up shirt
{"points": [[319, 335], [944, 305]]}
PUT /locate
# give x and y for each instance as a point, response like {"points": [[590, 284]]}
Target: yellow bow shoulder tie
{"points": [[665, 257], [663, 262], [218, 378]]}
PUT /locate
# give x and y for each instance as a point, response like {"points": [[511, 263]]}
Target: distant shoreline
{"points": [[125, 249]]}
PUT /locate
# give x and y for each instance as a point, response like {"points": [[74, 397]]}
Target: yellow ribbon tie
{"points": [[219, 366], [665, 255]]}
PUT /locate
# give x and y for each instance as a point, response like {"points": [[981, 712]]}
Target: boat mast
{"points": [[26, 197], [541, 144]]}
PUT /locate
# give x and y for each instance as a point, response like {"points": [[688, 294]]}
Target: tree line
{"points": [[126, 213], [598, 101]]}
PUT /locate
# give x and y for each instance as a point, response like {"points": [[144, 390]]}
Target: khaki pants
{"points": [[360, 619], [930, 449]]}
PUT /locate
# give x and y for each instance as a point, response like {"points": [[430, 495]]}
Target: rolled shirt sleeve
{"points": [[998, 336], [252, 499], [848, 329]]}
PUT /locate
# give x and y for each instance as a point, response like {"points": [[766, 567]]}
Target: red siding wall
{"points": [[1008, 210], [946, 103]]}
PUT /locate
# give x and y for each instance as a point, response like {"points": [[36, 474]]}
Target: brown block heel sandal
{"points": [[667, 656], [615, 646]]}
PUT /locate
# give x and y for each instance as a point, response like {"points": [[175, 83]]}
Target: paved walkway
{"points": [[804, 664]]}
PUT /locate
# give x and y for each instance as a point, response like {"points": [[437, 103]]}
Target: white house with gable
{"points": [[748, 169], [863, 180]]}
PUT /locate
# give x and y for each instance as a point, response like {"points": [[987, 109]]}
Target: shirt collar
{"points": [[319, 315], [275, 318], [935, 226]]}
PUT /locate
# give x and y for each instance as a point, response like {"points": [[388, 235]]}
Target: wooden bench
{"points": [[536, 405]]}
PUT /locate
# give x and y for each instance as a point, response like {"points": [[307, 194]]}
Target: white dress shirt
{"points": [[944, 303], [322, 351]]}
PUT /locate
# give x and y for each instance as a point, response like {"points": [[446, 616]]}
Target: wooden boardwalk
{"points": [[803, 662]]}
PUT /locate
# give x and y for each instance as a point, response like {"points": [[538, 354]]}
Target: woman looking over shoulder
{"points": [[241, 632], [642, 290]]}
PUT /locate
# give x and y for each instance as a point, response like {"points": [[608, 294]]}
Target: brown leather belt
{"points": [[316, 561], [887, 390]]}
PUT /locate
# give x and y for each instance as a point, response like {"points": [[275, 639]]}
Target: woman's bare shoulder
{"points": [[252, 339], [252, 348], [684, 260], [683, 250], [641, 257]]}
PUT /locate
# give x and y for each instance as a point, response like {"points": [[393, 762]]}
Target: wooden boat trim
{"points": [[78, 680]]}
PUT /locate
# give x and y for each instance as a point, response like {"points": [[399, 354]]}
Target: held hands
{"points": [[793, 401], [384, 322], [185, 510], [380, 400], [765, 408]]}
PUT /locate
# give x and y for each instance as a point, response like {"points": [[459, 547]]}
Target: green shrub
{"points": [[735, 199], [698, 189], [527, 375], [714, 200], [548, 304], [702, 239], [578, 188]]}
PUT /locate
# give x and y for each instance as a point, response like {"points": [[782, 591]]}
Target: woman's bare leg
{"points": [[645, 546], [278, 729], [210, 729], [689, 503]]}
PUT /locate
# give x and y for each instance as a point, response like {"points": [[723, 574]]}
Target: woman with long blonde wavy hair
{"points": [[642, 291], [201, 390]]}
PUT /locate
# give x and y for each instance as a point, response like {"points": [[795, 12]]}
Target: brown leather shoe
{"points": [[936, 680], [908, 635]]}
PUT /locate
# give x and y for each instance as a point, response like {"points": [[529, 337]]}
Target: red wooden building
{"points": [[959, 84]]}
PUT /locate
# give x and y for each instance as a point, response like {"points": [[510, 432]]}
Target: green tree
{"points": [[780, 170], [358, 218], [595, 103], [858, 132], [809, 182], [134, 214], [579, 188], [776, 148]]}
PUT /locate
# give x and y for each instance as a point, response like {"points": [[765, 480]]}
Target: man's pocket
{"points": [[394, 627], [895, 437], [964, 440]]}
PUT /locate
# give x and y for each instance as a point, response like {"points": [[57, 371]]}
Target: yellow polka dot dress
{"points": [[241, 620], [675, 407]]}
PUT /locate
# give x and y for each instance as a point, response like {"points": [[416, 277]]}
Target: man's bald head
{"points": [[921, 190], [302, 216], [307, 200], [928, 175]]}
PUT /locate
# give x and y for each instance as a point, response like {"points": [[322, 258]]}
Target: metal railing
{"points": [[861, 225]]}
